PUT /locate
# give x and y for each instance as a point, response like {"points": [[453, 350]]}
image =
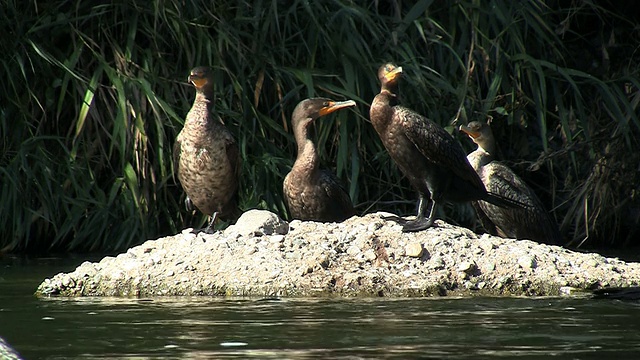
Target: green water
{"points": [[215, 328]]}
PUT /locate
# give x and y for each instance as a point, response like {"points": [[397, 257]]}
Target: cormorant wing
{"points": [[337, 193], [501, 180], [176, 155], [231, 211], [233, 155], [437, 145], [486, 223]]}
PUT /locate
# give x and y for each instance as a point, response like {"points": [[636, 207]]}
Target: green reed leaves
{"points": [[96, 93]]}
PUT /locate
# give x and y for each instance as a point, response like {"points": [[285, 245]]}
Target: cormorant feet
{"points": [[395, 218], [418, 224], [209, 230]]}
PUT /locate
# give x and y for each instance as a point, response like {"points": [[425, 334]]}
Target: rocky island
{"points": [[264, 256]]}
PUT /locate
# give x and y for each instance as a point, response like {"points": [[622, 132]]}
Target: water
{"points": [[215, 328]]}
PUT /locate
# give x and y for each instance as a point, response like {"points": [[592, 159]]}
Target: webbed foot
{"points": [[212, 221], [418, 224], [209, 230], [394, 218]]}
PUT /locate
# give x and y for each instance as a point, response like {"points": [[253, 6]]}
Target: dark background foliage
{"points": [[94, 93]]}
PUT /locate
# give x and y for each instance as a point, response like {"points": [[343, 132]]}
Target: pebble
{"points": [[370, 255], [259, 222], [527, 262], [68, 282], [353, 250], [489, 266], [375, 226], [276, 239], [467, 267], [324, 261], [437, 262], [413, 249]]}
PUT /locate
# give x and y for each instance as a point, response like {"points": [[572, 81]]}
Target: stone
{"points": [[370, 255], [527, 262], [467, 267], [413, 249], [258, 223]]}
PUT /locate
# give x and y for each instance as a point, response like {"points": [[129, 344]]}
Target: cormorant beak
{"points": [[335, 105], [198, 82], [393, 74], [467, 130]]}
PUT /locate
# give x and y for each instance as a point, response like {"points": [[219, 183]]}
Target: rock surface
{"points": [[364, 256]]}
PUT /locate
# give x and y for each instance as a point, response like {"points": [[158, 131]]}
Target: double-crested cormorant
{"points": [[530, 222], [207, 156], [630, 293], [435, 164], [312, 193]]}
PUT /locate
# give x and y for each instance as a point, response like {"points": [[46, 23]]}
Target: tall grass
{"points": [[94, 94]]}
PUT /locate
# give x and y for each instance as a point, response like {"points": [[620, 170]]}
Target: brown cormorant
{"points": [[434, 163], [207, 156], [530, 222], [312, 193]]}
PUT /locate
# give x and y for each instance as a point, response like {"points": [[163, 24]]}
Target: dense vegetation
{"points": [[94, 93]]}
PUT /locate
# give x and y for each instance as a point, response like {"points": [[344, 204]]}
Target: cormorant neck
{"points": [[206, 92], [381, 111], [307, 159], [489, 147], [200, 114], [391, 89], [204, 97], [480, 157]]}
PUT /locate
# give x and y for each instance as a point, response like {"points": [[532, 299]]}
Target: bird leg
{"points": [[212, 220], [188, 204], [420, 222]]}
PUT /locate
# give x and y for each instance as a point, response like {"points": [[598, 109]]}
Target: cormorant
{"points": [[531, 222], [435, 164], [207, 156], [312, 193], [631, 293]]}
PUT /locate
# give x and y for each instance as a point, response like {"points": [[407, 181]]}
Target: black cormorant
{"points": [[435, 164]]}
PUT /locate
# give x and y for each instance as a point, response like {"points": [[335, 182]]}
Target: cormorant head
{"points": [[388, 74], [480, 133], [201, 77], [310, 109]]}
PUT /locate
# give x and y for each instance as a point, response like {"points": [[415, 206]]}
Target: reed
{"points": [[94, 94]]}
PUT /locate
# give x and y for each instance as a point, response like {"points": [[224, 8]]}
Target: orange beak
{"points": [[335, 105], [197, 82], [467, 130], [393, 74]]}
